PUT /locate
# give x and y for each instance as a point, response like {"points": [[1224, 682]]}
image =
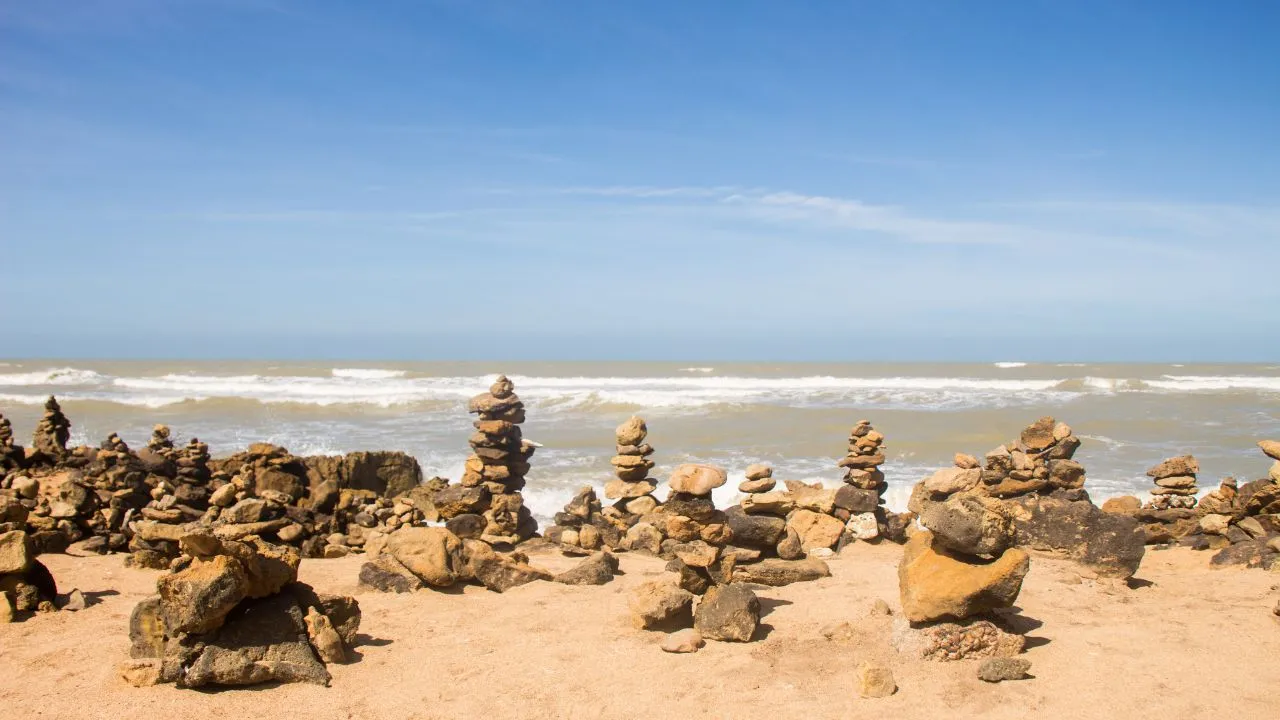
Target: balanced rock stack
{"points": [[633, 488], [160, 442], [954, 574], [26, 585], [496, 470], [759, 479], [1175, 481], [233, 613], [862, 496], [581, 527], [52, 433], [12, 456]]}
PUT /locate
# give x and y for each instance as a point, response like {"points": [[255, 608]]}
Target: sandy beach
{"points": [[1178, 641]]}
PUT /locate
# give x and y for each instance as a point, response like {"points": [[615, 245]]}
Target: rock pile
{"points": [[12, 456], [633, 488], [860, 503], [26, 586], [1175, 481], [414, 558], [582, 527], [160, 442], [495, 472], [759, 479], [51, 435], [1038, 462], [956, 572], [233, 613], [728, 612]]}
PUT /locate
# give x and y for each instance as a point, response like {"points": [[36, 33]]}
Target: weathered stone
{"points": [[1039, 435], [467, 525], [997, 669], [595, 570], [862, 526], [696, 479], [1271, 448], [758, 472], [816, 530], [968, 524], [1177, 482], [688, 640], [620, 489], [1066, 474], [937, 586], [660, 604], [696, 553], [324, 639], [1123, 505], [499, 573], [952, 480], [1109, 544], [433, 554], [966, 462], [777, 573], [198, 598], [1214, 524], [384, 573], [263, 641], [642, 505], [856, 500], [146, 630], [789, 547], [769, 503], [754, 531], [16, 552], [249, 510], [762, 485], [643, 536], [1182, 465], [455, 500], [387, 473], [728, 612], [874, 681], [631, 432]]}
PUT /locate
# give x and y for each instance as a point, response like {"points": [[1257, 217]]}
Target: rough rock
{"points": [[1109, 544], [499, 573], [948, 481], [385, 574], [997, 669], [660, 604], [777, 573], [945, 642], [433, 554], [198, 598], [16, 552], [262, 641], [1123, 505], [816, 530], [768, 503], [969, 524], [1173, 467], [728, 612], [937, 586], [755, 531], [324, 639], [697, 479], [597, 569]]}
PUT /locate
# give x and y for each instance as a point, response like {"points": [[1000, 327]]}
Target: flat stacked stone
{"points": [[1175, 481], [52, 433], [860, 503], [495, 472], [633, 488], [759, 479]]}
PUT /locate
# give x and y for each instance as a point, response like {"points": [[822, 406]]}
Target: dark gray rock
{"points": [[1109, 544]]}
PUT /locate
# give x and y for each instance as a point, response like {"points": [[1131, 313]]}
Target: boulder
{"points": [[631, 432], [660, 604], [16, 552], [816, 530], [433, 554], [497, 572], [856, 500], [597, 569], [937, 586], [385, 574], [198, 598], [808, 497], [1123, 505], [968, 524], [697, 479], [948, 481], [262, 641], [1109, 544], [768, 503], [758, 472], [728, 612], [387, 473], [754, 531], [776, 573]]}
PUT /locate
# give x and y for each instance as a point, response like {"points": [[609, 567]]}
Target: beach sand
{"points": [[1182, 641]]}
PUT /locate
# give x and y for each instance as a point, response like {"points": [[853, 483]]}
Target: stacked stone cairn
{"points": [[26, 586], [160, 441], [1042, 489], [633, 488], [52, 433], [860, 503], [495, 472], [955, 576], [232, 613], [581, 528], [12, 456]]}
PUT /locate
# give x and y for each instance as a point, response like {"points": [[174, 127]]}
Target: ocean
{"points": [[793, 416]]}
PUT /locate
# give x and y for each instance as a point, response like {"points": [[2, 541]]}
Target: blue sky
{"points": [[751, 180]]}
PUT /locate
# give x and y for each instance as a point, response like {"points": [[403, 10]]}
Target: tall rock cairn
{"points": [[864, 482], [11, 455], [1175, 481], [499, 463], [633, 488], [52, 432]]}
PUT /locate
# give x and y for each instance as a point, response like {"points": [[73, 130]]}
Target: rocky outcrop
{"points": [[232, 613]]}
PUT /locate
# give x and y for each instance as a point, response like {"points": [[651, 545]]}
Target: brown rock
{"points": [[696, 479], [937, 586], [198, 598], [758, 472], [777, 573], [874, 681], [969, 525], [728, 612], [762, 485], [1271, 448], [994, 670], [1123, 505], [660, 604], [631, 432], [688, 640], [815, 530], [433, 554], [1182, 465], [966, 462], [1039, 435], [952, 480], [16, 552]]}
